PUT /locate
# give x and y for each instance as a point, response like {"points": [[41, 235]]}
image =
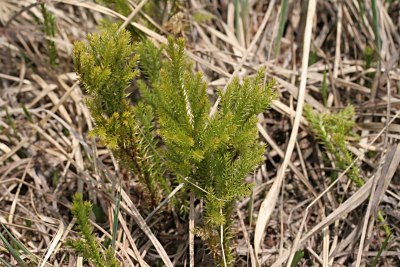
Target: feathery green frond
{"points": [[215, 153], [88, 246], [150, 59], [106, 66], [332, 130]]}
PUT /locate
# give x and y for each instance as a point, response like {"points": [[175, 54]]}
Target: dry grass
{"points": [[46, 156]]}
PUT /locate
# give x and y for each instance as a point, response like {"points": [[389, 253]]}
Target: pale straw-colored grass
{"points": [[46, 155]]}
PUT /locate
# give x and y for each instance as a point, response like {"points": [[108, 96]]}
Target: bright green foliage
{"points": [[297, 258], [214, 154], [106, 66], [369, 57], [150, 63], [88, 246], [211, 155], [333, 130]]}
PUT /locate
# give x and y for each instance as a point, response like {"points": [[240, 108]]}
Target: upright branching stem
{"points": [[215, 154]]}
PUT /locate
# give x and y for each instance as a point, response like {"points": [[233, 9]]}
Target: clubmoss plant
{"points": [[211, 155], [106, 65], [332, 130], [88, 246]]}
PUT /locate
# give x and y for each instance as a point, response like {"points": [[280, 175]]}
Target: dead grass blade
{"points": [[268, 204], [191, 228], [54, 244], [381, 183], [133, 13], [129, 207], [253, 260], [354, 201], [131, 242], [246, 54], [350, 204]]}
